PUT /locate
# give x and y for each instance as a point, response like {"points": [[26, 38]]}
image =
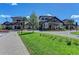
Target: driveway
{"points": [[11, 44]]}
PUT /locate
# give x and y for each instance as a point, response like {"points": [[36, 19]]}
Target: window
{"points": [[46, 18], [42, 18]]}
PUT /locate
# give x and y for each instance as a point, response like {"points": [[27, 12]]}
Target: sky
{"points": [[61, 10]]}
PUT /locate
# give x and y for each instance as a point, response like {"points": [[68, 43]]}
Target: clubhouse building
{"points": [[46, 22]]}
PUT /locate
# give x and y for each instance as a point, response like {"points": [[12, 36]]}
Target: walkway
{"points": [[11, 44]]}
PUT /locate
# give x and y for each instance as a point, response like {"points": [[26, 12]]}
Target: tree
{"points": [[22, 24], [70, 22], [24, 20], [34, 21]]}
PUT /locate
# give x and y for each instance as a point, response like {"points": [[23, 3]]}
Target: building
{"points": [[50, 23], [47, 22], [16, 24], [69, 25], [7, 25]]}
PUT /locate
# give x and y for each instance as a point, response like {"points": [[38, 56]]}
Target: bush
{"points": [[0, 27], [76, 42], [69, 43]]}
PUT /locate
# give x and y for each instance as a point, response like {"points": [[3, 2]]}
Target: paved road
{"points": [[62, 33], [11, 44]]}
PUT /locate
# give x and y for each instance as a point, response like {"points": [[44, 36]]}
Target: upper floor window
{"points": [[46, 18], [41, 18]]}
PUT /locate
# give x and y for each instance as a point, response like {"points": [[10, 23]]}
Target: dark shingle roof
{"points": [[7, 23]]}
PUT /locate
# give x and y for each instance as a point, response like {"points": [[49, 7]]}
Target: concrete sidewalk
{"points": [[11, 44]]}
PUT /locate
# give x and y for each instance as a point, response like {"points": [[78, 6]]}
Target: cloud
{"points": [[28, 17], [14, 4], [48, 14], [4, 16], [75, 16]]}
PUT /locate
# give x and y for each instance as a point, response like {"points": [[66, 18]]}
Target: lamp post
{"points": [[76, 24]]}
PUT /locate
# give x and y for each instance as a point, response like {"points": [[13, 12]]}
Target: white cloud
{"points": [[48, 15], [28, 17], [75, 16], [14, 4], [5, 16]]}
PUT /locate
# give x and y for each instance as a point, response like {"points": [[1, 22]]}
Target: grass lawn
{"points": [[46, 44], [76, 33]]}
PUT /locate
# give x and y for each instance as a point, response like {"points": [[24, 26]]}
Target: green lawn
{"points": [[46, 44], [76, 33]]}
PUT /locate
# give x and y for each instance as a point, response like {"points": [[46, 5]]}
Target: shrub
{"points": [[76, 42], [69, 43]]}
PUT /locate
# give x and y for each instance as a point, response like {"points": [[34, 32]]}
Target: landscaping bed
{"points": [[4, 30], [47, 44]]}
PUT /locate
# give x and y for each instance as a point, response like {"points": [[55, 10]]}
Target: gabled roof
{"points": [[18, 18], [59, 20], [45, 16], [7, 23], [52, 17]]}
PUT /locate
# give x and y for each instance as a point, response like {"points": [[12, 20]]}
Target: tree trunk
{"points": [[33, 28]]}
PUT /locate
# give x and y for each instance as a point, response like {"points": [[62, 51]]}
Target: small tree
{"points": [[34, 21], [22, 24], [70, 22]]}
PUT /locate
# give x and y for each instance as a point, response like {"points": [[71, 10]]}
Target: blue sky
{"points": [[61, 10]]}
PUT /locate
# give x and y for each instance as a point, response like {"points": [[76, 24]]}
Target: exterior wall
{"points": [[46, 25], [78, 27], [7, 27], [50, 22], [18, 23], [3, 26]]}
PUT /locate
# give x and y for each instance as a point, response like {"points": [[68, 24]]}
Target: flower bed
{"points": [[4, 30]]}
